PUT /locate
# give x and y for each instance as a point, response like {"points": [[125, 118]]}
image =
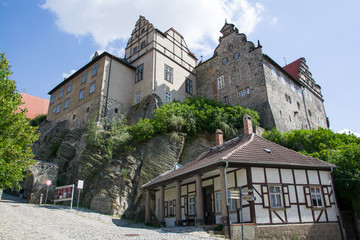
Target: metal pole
{"points": [[241, 216], [72, 195], [227, 200], [47, 190], [78, 200]]}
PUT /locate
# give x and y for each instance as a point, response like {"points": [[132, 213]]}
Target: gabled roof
{"points": [[294, 68], [250, 150], [35, 105]]}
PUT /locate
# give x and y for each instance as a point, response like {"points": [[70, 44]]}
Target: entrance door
{"points": [[208, 205]]}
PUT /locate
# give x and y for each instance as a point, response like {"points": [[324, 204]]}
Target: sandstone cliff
{"points": [[113, 186]]}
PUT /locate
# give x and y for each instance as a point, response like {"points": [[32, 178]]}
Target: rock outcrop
{"points": [[113, 186]]}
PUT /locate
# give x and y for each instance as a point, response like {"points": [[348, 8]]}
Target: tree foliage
{"points": [[16, 135], [340, 149]]}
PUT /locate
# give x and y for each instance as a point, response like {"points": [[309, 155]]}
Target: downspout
{"points": [[227, 199], [107, 90], [306, 111], [338, 215]]}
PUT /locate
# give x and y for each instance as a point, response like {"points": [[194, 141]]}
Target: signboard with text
{"points": [[64, 193]]}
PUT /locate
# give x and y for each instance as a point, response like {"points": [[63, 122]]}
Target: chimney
{"points": [[219, 137], [248, 128]]}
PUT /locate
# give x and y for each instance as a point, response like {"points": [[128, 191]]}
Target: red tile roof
{"points": [[34, 105], [244, 150], [293, 68]]}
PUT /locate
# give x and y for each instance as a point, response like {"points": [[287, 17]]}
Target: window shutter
{"points": [[307, 197], [326, 197], [166, 209], [185, 206], [286, 196], [265, 195]]}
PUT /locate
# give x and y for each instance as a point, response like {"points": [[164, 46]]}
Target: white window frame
{"points": [[137, 97], [167, 97], [168, 74], [84, 77], [52, 100], [82, 94], [139, 73], [275, 195], [217, 201], [66, 103], [92, 88], [94, 70], [244, 92], [232, 202], [192, 206], [61, 93], [221, 82], [58, 108], [69, 87]]}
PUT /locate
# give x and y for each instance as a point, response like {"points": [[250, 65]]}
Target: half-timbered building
{"points": [[290, 192]]}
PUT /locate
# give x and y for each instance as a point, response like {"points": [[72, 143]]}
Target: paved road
{"points": [[19, 220]]}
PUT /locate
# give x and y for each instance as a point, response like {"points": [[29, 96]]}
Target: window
{"points": [[168, 73], [298, 105], [94, 70], [192, 205], [236, 55], [317, 197], [218, 202], [143, 44], [54, 110], [275, 196], [171, 208], [135, 50], [139, 73], [309, 112], [188, 86], [61, 92], [225, 61], [232, 202], [84, 77], [221, 82], [92, 88], [230, 47], [116, 110], [58, 108], [273, 71], [52, 98], [244, 92], [81, 95], [282, 78], [137, 97], [287, 98], [226, 99], [69, 87], [167, 97], [66, 104]]}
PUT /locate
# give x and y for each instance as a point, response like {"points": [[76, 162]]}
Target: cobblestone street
{"points": [[19, 220]]}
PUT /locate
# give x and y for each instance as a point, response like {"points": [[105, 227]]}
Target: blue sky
{"points": [[45, 40]]}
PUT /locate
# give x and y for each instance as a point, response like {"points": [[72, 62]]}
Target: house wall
{"points": [[78, 111], [296, 206]]}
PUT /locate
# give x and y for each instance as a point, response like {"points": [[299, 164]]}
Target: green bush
{"points": [[143, 130], [37, 120]]}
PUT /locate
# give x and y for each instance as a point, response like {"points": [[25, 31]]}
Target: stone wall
{"points": [[317, 231], [35, 181]]}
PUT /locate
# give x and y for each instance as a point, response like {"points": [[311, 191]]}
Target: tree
{"points": [[340, 149], [16, 135]]}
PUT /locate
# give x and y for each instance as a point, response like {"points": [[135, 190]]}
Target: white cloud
{"points": [[66, 75], [347, 131], [199, 21]]}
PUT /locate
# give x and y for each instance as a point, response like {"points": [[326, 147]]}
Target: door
{"points": [[208, 205]]}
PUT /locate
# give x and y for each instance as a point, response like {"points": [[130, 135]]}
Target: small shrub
{"points": [[125, 172], [37, 120], [143, 130], [219, 228]]}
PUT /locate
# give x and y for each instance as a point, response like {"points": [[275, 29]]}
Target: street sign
{"points": [[246, 190], [48, 183], [248, 197], [80, 184]]}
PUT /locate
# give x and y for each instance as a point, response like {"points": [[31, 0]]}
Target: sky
{"points": [[47, 40]]}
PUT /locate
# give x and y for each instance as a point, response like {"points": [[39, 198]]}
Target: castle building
{"points": [[239, 73], [160, 64], [155, 63]]}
